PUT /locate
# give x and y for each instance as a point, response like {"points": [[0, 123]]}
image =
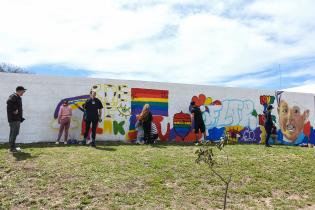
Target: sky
{"points": [[266, 44]]}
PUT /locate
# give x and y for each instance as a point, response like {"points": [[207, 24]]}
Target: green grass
{"points": [[122, 176]]}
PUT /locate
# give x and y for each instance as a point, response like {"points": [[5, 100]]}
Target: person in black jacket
{"points": [[268, 123], [15, 115], [93, 110], [199, 124], [146, 118]]}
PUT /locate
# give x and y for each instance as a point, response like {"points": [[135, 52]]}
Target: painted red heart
{"points": [[199, 100]]}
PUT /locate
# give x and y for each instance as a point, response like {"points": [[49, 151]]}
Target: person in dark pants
{"points": [[146, 119], [199, 124], [93, 108], [268, 124], [15, 116]]}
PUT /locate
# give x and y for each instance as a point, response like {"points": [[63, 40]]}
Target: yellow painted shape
{"points": [[108, 126], [182, 123], [208, 101], [165, 100], [235, 127], [263, 134]]}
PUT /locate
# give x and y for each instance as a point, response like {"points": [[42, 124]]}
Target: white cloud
{"points": [[104, 36], [299, 72]]}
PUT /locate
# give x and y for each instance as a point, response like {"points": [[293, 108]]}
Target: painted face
{"points": [[291, 120]]}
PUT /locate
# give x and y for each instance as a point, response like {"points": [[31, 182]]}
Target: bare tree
{"points": [[10, 68], [206, 155]]}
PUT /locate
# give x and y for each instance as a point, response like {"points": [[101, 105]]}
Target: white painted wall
{"points": [[44, 93]]}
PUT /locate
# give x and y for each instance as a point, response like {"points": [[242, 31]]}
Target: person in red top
{"points": [[64, 119]]}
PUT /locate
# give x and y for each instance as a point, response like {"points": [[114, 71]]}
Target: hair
{"points": [[145, 111], [293, 99]]}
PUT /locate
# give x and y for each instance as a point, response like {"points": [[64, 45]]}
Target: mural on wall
{"points": [[294, 124], [74, 102], [116, 103], [182, 124], [158, 101], [239, 119], [233, 117], [76, 122]]}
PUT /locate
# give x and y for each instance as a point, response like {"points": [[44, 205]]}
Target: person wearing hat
{"points": [[268, 124], [15, 116]]}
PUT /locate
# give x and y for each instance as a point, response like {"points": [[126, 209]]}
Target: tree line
{"points": [[10, 68]]}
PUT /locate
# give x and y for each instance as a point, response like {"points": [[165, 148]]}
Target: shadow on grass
{"points": [[19, 156], [105, 148]]}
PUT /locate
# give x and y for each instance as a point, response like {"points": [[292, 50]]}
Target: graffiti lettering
{"points": [[265, 99], [231, 112], [119, 127]]}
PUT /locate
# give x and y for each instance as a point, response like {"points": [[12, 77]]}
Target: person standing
{"points": [[154, 133], [199, 124], [64, 119], [140, 132], [268, 124], [146, 119], [15, 116], [93, 107]]}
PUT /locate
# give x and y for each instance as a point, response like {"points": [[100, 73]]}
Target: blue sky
{"points": [[241, 43]]}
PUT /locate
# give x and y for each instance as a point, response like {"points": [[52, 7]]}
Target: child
{"points": [[154, 133], [140, 133]]}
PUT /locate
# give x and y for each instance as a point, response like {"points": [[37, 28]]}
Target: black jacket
{"points": [[14, 103], [268, 118]]}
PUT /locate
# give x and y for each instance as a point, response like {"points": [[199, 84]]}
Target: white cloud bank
{"points": [[176, 41]]}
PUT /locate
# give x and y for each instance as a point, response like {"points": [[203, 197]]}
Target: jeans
{"points": [[14, 131], [268, 129], [87, 128]]}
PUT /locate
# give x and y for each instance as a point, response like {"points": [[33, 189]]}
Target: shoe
{"points": [[57, 142], [196, 143], [93, 145], [14, 150], [65, 142], [268, 145], [84, 142]]}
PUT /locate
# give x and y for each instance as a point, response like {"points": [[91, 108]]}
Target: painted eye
{"points": [[296, 110]]}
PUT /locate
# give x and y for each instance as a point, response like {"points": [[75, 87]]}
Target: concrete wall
{"points": [[234, 110]]}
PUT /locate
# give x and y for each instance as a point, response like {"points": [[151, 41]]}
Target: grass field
{"points": [[165, 176]]}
